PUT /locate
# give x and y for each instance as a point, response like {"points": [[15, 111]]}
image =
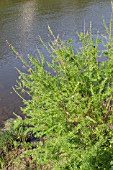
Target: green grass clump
{"points": [[72, 110]]}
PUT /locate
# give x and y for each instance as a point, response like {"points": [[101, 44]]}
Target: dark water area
{"points": [[21, 23]]}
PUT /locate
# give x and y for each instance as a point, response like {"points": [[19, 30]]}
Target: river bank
{"points": [[69, 117]]}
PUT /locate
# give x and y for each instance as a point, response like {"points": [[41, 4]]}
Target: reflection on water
{"points": [[21, 23]]}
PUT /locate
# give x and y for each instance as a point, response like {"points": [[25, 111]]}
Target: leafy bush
{"points": [[71, 110]]}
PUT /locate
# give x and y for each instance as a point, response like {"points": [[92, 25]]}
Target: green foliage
{"points": [[13, 142], [74, 107], [6, 144], [71, 110]]}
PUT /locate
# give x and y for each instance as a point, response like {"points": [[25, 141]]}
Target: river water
{"points": [[21, 23]]}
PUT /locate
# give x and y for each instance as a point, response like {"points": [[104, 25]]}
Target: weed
{"points": [[72, 112]]}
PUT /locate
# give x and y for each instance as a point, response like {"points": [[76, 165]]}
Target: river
{"points": [[21, 23]]}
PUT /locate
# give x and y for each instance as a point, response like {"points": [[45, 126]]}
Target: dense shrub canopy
{"points": [[71, 110]]}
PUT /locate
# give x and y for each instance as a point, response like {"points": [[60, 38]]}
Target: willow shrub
{"points": [[71, 108]]}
